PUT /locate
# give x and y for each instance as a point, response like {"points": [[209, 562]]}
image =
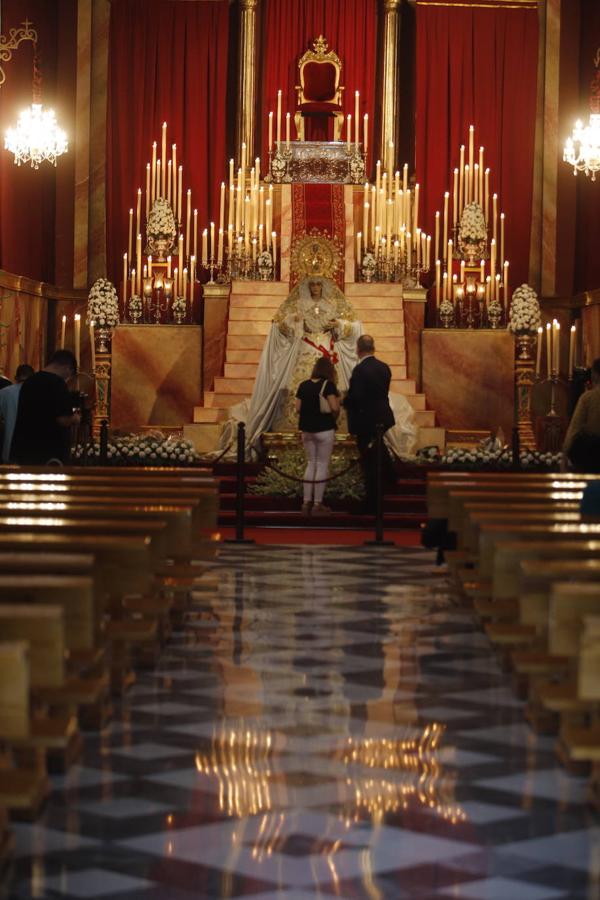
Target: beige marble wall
{"points": [[415, 304], [468, 378], [216, 309], [156, 374]]}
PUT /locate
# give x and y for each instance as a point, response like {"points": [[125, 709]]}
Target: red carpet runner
{"points": [[320, 207]]}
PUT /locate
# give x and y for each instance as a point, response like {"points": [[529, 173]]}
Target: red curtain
{"points": [[27, 196], [288, 29], [587, 258], [168, 62], [478, 65]]}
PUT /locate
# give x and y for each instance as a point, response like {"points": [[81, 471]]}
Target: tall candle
{"points": [[390, 163], [428, 251], [168, 266], [170, 182], [164, 159], [231, 178], [139, 263], [449, 259], [486, 210], [270, 131], [222, 208], [220, 248], [150, 266], [549, 349], [505, 283], [556, 347], [437, 235], [455, 198], [495, 217], [467, 186], [176, 290], [405, 177], [471, 158], [358, 248], [476, 198], [445, 286], [188, 224], [243, 161], [130, 238], [77, 338], [446, 195], [416, 208], [502, 258], [274, 247], [179, 194], [278, 132], [138, 212], [287, 129], [461, 179], [366, 132], [180, 260], [356, 117], [195, 243], [158, 178], [153, 171], [481, 170], [205, 247], [572, 337], [212, 241], [365, 230], [438, 281], [192, 278], [92, 345], [348, 130], [184, 283], [482, 270], [63, 329], [147, 190], [174, 171], [538, 352]]}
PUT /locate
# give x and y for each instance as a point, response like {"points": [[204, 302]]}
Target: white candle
{"points": [[77, 338], [92, 345], [549, 349], [438, 281], [179, 194], [138, 212], [150, 266], [174, 172], [358, 248], [455, 198], [195, 242], [461, 180], [287, 130], [274, 247], [192, 278], [428, 251], [63, 329], [170, 183], [495, 217], [184, 283], [505, 283], [416, 207], [471, 158], [133, 282], [158, 178], [356, 117], [205, 247], [502, 257], [348, 130], [188, 225], [153, 172], [446, 196], [486, 198], [147, 190], [572, 338], [366, 132], [270, 131], [139, 263], [168, 266], [437, 235], [278, 132], [538, 354], [164, 159]]}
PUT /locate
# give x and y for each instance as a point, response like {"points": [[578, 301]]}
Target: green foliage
{"points": [[292, 461]]}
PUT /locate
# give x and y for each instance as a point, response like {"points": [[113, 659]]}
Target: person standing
{"points": [[582, 440], [318, 430], [45, 414], [9, 402], [367, 404]]}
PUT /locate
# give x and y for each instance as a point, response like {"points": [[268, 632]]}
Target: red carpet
{"points": [[339, 537], [320, 208]]}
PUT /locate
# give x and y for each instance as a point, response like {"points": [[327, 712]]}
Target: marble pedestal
{"points": [[156, 375], [468, 378]]}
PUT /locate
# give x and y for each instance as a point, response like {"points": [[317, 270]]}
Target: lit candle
{"points": [[486, 210], [495, 217], [416, 207], [455, 198], [390, 163], [153, 171], [77, 338], [63, 329], [174, 171], [188, 224], [180, 261], [158, 178], [428, 251], [358, 248], [405, 177], [481, 170], [497, 288], [278, 132], [476, 184], [230, 239], [445, 285], [184, 283], [147, 190], [212, 241], [168, 266], [192, 278], [92, 345], [231, 178], [170, 183], [179, 193], [556, 347], [366, 132], [205, 247], [437, 235], [130, 238], [505, 283], [549, 349], [348, 131], [438, 281], [356, 117], [538, 352], [164, 159], [446, 196], [133, 282], [274, 247], [139, 262], [243, 161], [471, 158], [461, 179], [365, 230], [572, 338], [482, 270], [150, 267], [449, 258], [287, 129], [195, 243], [176, 281], [502, 238], [467, 186], [462, 271]]}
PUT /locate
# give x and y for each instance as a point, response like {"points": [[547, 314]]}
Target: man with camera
{"points": [[45, 414]]}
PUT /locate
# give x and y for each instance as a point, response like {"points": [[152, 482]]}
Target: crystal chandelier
{"points": [[582, 149], [36, 136]]}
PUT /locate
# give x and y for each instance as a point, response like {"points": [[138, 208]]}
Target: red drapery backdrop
{"points": [[288, 29], [478, 65], [168, 62], [587, 258], [28, 205]]}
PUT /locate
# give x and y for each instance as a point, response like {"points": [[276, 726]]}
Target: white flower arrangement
{"points": [[179, 305], [525, 315], [472, 228], [152, 448], [487, 455], [161, 221], [103, 304], [446, 308]]}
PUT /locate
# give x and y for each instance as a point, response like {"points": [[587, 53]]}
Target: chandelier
{"points": [[582, 149], [36, 136]]}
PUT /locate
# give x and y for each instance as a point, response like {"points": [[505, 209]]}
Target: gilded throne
{"points": [[319, 92]]}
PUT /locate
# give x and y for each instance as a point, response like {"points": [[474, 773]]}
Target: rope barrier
{"points": [[279, 471]]}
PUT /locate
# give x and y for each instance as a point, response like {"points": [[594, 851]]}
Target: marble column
{"points": [[388, 98], [246, 108]]}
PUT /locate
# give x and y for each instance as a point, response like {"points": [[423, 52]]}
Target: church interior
{"points": [[258, 638]]}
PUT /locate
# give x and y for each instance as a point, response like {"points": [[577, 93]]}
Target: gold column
{"points": [[389, 89], [247, 80]]}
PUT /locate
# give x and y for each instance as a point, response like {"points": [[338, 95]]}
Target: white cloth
{"points": [[9, 404], [318, 446]]}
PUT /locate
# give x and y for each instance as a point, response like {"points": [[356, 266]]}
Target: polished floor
{"points": [[328, 723]]}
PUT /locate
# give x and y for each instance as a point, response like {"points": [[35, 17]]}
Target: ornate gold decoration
{"points": [[315, 254], [318, 162], [15, 37], [524, 382], [247, 78], [321, 54]]}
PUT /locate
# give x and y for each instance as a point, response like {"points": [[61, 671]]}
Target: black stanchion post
{"points": [[104, 442], [240, 488], [379, 450]]}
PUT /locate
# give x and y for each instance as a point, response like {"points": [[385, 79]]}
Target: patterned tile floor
{"points": [[328, 723]]}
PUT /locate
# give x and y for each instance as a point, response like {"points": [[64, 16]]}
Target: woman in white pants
{"points": [[318, 431]]}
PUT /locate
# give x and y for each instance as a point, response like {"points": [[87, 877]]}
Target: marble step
{"points": [[244, 342], [358, 289], [244, 387], [264, 314], [208, 415], [221, 400], [260, 327], [425, 418], [248, 370], [216, 409], [431, 435], [360, 304], [260, 288], [250, 356]]}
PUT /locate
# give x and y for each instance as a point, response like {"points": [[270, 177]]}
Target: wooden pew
{"points": [[22, 790]]}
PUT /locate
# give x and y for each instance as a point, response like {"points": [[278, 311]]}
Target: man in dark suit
{"points": [[367, 404]]}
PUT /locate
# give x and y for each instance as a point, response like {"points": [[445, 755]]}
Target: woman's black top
{"points": [[311, 417]]}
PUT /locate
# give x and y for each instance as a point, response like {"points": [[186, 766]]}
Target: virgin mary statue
{"points": [[314, 320]]}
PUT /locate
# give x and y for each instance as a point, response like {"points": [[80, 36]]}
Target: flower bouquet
{"points": [[161, 230], [525, 317], [179, 309], [150, 449], [103, 304], [472, 234]]}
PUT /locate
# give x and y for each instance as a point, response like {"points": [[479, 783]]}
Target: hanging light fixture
{"points": [[36, 136], [582, 149]]}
